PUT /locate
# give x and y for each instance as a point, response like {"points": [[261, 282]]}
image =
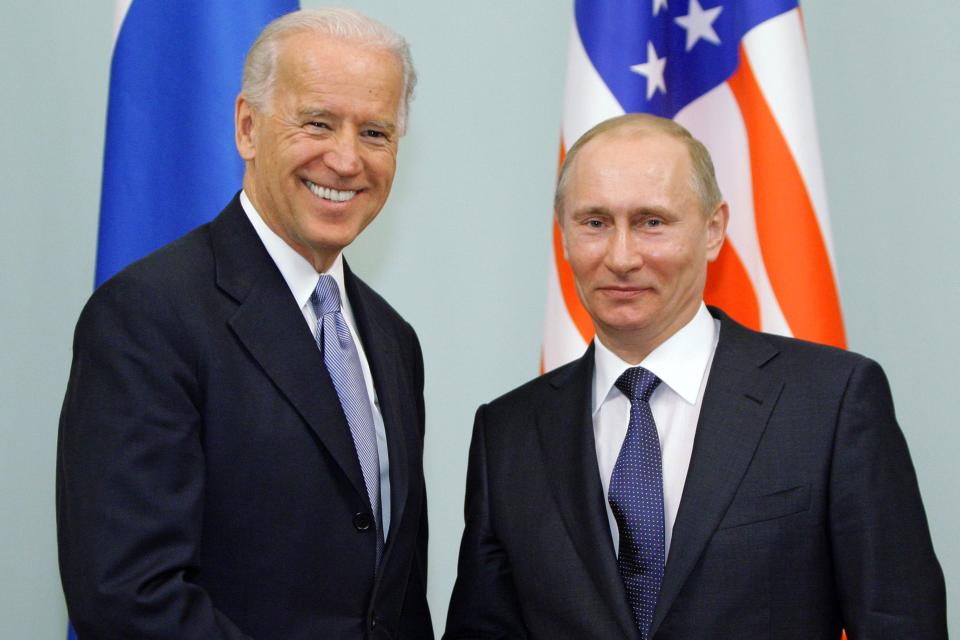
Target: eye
{"points": [[652, 223], [594, 223], [318, 124], [375, 135]]}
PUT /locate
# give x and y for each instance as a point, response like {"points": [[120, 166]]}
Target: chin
{"points": [[623, 318], [622, 324], [332, 236]]}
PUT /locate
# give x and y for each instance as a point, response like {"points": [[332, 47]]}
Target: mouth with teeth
{"points": [[326, 193]]}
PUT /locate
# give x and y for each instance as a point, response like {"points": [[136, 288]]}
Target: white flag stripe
{"points": [[777, 51], [588, 99], [119, 14]]}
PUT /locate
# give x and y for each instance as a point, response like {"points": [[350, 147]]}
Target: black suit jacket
{"points": [[207, 484], [800, 514]]}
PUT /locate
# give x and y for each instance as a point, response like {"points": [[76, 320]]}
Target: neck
{"points": [[633, 345], [632, 352]]}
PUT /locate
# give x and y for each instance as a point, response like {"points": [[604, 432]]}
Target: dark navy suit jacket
{"points": [[207, 484], [800, 514]]}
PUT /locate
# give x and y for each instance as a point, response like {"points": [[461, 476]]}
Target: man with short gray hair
{"points": [[241, 442]]}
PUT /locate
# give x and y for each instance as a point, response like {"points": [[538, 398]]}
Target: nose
{"points": [[344, 157], [623, 253]]}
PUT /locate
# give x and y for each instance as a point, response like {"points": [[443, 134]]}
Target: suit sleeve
{"points": [[484, 602], [888, 578], [130, 475]]}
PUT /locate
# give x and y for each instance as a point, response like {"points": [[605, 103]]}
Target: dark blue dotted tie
{"points": [[636, 499]]}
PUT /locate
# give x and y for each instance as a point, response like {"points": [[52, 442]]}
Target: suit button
{"points": [[373, 622], [362, 521]]}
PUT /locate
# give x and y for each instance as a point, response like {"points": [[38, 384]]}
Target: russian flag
{"points": [[735, 73], [170, 162]]}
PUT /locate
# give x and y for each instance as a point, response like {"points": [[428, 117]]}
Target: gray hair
{"points": [[260, 66], [703, 179]]}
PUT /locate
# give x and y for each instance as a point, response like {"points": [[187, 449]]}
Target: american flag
{"points": [[735, 73]]}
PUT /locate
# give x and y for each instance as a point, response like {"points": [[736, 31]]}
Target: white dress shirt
{"points": [[302, 279], [683, 365]]}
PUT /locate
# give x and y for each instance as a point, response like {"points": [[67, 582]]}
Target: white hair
{"points": [[260, 66]]}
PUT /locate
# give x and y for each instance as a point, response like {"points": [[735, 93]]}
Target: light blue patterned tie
{"points": [[636, 499], [343, 363]]}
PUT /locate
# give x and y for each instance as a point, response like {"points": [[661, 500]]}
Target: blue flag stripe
{"points": [[170, 162]]}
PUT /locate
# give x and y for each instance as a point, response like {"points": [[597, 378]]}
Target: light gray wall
{"points": [[886, 88], [462, 247]]}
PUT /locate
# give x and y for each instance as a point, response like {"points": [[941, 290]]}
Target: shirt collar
{"points": [[679, 362], [296, 270]]}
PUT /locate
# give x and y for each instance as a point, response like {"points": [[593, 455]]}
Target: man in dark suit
{"points": [[241, 441], [687, 477]]}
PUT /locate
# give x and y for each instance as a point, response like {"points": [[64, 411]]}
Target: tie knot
{"points": [[326, 296], [638, 384]]}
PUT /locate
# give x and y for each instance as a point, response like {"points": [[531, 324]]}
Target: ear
{"points": [[563, 235], [716, 230], [245, 129]]}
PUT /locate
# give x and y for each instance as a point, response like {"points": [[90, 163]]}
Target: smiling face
{"points": [[320, 164], [637, 238]]}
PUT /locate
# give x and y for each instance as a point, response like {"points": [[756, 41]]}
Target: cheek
{"points": [[584, 257], [662, 259], [299, 150], [305, 158], [383, 170], [684, 254]]}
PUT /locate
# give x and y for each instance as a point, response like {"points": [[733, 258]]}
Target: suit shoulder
{"points": [[173, 268], [801, 353], [532, 391], [815, 354], [165, 280]]}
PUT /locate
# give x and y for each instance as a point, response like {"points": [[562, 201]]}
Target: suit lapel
{"points": [[737, 403], [383, 356], [271, 328], [565, 429]]}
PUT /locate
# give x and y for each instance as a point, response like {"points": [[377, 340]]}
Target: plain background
{"points": [[461, 248]]}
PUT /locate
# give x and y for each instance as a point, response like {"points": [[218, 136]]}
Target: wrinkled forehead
{"points": [[307, 53], [327, 72]]}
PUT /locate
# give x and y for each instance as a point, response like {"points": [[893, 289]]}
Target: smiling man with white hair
{"points": [[241, 441]]}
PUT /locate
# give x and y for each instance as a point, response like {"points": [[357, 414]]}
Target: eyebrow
{"points": [[654, 211], [605, 211], [590, 211], [314, 112]]}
